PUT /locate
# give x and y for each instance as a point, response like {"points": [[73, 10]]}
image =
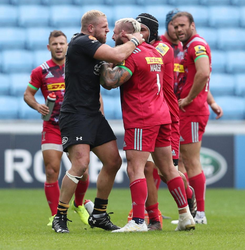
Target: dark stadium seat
{"points": [[37, 38], [235, 62], [240, 84], [9, 107], [33, 15], [210, 35], [4, 84], [224, 16], [231, 39], [218, 61], [19, 82], [40, 56], [222, 84], [17, 61], [8, 15], [199, 13], [12, 38]]}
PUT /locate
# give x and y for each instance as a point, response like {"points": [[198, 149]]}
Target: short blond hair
{"points": [[129, 24], [91, 17]]}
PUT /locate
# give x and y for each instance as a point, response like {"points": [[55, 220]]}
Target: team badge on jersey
{"points": [[200, 50], [162, 48], [92, 38]]}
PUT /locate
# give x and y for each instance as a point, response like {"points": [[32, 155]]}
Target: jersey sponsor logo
{"points": [[162, 48], [200, 50], [56, 86], [154, 60], [156, 67], [179, 68]]}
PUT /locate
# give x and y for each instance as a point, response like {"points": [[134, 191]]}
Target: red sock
{"points": [[138, 190], [198, 182], [188, 190], [157, 178], [52, 192], [153, 212], [177, 190], [80, 192]]}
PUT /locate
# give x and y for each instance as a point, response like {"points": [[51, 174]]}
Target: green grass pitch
{"points": [[24, 214]]}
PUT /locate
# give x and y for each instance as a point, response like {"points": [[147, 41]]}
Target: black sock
{"points": [[100, 206], [62, 208]]}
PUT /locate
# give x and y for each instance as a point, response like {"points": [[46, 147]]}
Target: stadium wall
{"points": [[222, 156]]}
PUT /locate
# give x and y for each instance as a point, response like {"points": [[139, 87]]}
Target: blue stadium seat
{"points": [[37, 38], [26, 112], [240, 85], [210, 35], [23, 2], [237, 2], [242, 16], [233, 107], [224, 16], [235, 62], [8, 15], [214, 2], [122, 11], [69, 32], [4, 84], [231, 39], [33, 15], [19, 82], [58, 2], [12, 38], [109, 39], [218, 61], [91, 2], [186, 2], [140, 2], [40, 56], [65, 15], [199, 13], [222, 84], [115, 93], [158, 11], [9, 107], [17, 61], [107, 9], [109, 107]]}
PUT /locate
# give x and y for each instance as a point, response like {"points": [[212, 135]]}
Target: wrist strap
{"points": [[134, 41]]}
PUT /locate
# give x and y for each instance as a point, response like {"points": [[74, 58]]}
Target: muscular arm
{"points": [[200, 81], [113, 77]]}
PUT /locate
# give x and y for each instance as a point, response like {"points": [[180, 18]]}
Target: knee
{"points": [[52, 172], [149, 167]]}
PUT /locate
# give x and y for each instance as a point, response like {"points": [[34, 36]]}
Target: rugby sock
{"points": [[188, 192], [62, 208], [100, 206], [138, 190], [80, 192], [52, 192], [153, 212], [198, 182], [157, 178], [177, 189]]}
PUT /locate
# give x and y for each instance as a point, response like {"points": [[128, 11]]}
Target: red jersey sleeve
{"points": [[36, 77], [197, 50]]}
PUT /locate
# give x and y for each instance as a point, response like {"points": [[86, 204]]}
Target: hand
{"points": [[183, 102], [42, 109], [217, 110]]}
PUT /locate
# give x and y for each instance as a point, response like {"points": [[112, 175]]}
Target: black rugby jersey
{"points": [[82, 75]]}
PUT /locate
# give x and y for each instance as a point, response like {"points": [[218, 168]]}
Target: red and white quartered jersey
{"points": [[195, 48], [168, 78], [178, 56], [49, 77], [142, 98]]}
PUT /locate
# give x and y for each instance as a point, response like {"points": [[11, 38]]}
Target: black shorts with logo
{"points": [[91, 129]]}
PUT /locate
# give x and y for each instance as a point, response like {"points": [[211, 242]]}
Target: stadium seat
{"points": [[240, 85], [9, 107], [58, 2], [26, 112], [235, 62], [233, 107], [65, 15], [214, 2], [24, 2], [116, 2], [186, 2], [115, 93], [109, 39], [37, 38], [158, 11], [231, 39], [91, 2], [4, 84], [222, 84], [237, 2], [242, 16], [210, 35], [13, 38], [218, 61], [224, 16], [109, 107], [122, 11], [19, 82], [40, 56], [107, 9], [69, 32], [17, 61], [8, 15], [33, 15], [199, 13]]}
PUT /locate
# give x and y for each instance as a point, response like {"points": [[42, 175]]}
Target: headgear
{"points": [[169, 17]]}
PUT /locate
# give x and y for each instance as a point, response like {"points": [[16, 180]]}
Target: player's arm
{"points": [[214, 106], [29, 98], [114, 77], [200, 80]]}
